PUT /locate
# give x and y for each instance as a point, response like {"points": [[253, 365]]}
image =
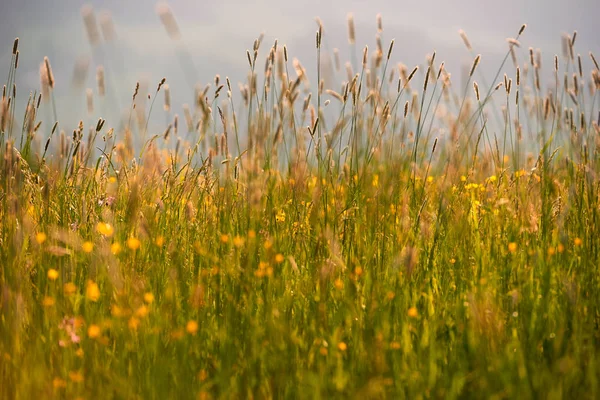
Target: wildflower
{"points": [[238, 241], [88, 247], [94, 331], [58, 383], [116, 311], [280, 217], [202, 375], [577, 241], [375, 181], [279, 258], [133, 323], [115, 248], [358, 271], [339, 284], [40, 237], [48, 301], [191, 327], [148, 297], [224, 238], [323, 351], [76, 376], [395, 346], [106, 229], [342, 346], [412, 312], [52, 274], [142, 311], [160, 240], [251, 234], [133, 243], [92, 292], [69, 288], [512, 247]]}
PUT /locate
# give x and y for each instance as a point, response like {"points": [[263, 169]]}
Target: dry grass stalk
{"points": [[168, 21], [91, 27], [351, 30], [465, 39]]}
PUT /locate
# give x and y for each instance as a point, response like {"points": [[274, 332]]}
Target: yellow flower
{"points": [[58, 383], [40, 237], [191, 327], [280, 217], [106, 229], [238, 241], [279, 258], [69, 288], [342, 346], [115, 248], [512, 247], [224, 238], [339, 284], [133, 243], [94, 331], [202, 375], [251, 234], [395, 346], [412, 312], [52, 274], [116, 311], [112, 179], [48, 301], [375, 182], [92, 292], [358, 271], [76, 376], [142, 311], [160, 240], [88, 247], [133, 323], [148, 297], [577, 241]]}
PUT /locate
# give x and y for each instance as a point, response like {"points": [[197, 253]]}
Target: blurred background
{"points": [[131, 42]]}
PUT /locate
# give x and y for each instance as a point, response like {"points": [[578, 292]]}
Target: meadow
{"points": [[394, 235]]}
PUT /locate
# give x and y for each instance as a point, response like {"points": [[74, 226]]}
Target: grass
{"points": [[391, 243]]}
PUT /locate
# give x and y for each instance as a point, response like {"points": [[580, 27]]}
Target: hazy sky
{"points": [[217, 34]]}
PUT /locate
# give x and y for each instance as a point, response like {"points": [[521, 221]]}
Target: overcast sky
{"points": [[217, 34]]}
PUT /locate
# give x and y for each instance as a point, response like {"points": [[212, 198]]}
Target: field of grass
{"points": [[401, 238]]}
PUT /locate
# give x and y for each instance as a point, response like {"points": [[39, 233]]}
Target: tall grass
{"points": [[383, 240]]}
